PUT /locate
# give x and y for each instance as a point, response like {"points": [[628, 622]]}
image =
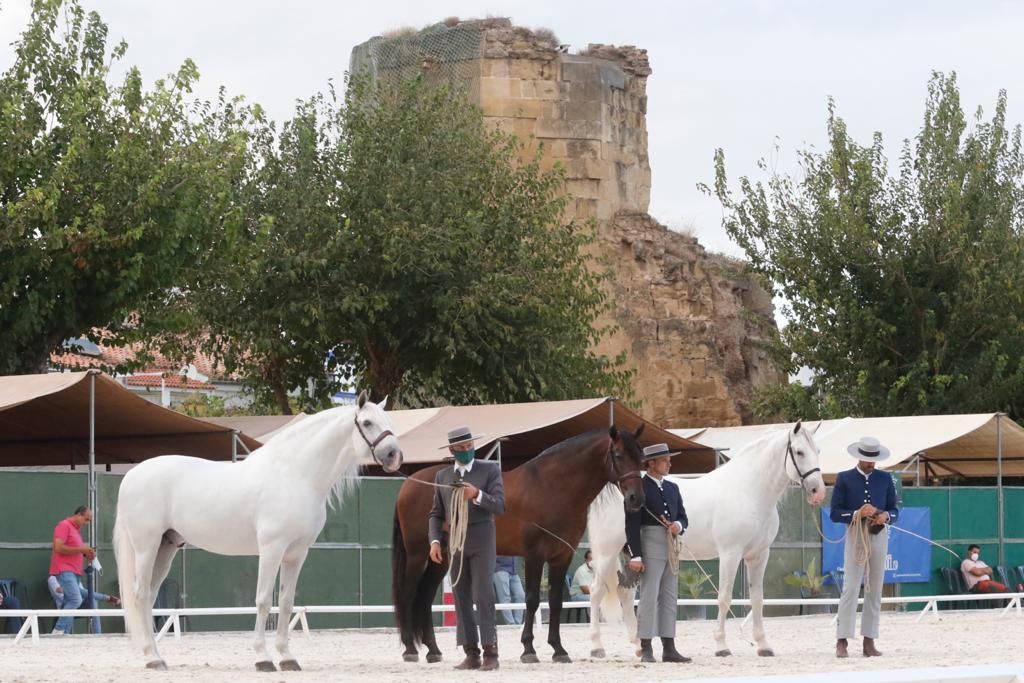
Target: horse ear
{"points": [[640, 430], [796, 429], [613, 432], [362, 398], [384, 403]]}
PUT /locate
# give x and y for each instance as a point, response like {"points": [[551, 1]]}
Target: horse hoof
{"points": [[157, 665], [433, 657], [529, 658], [289, 665], [412, 657], [766, 652], [597, 654], [723, 653], [561, 659], [265, 666]]}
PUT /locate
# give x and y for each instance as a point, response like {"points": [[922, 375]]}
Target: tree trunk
{"points": [[383, 374], [272, 376]]}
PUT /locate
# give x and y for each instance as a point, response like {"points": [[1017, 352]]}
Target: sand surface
{"points": [[803, 645]]}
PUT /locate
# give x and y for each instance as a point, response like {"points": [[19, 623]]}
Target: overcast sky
{"points": [[739, 75]]}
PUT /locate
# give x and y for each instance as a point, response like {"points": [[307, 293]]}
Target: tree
{"points": [[456, 277], [902, 291], [108, 194]]}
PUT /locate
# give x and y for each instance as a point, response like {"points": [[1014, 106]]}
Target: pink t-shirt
{"points": [[967, 565], [69, 533]]}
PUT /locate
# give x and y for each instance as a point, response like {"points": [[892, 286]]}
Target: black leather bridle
{"points": [[620, 477], [376, 442], [792, 458]]}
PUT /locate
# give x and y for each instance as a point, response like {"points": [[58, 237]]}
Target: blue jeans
{"points": [[509, 588], [97, 597], [72, 599]]}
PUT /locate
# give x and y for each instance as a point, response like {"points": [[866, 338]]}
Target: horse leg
{"points": [[556, 586], [597, 593], [728, 563], [534, 568], [169, 545], [290, 568], [270, 562], [627, 596], [756, 565]]}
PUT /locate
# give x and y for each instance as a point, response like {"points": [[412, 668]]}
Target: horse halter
{"points": [[792, 458], [376, 442], [620, 477]]}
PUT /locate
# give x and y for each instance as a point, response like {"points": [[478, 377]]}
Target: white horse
{"points": [[733, 515], [272, 504]]}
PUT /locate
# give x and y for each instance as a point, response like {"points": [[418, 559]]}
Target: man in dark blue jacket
{"points": [[865, 499], [648, 534]]}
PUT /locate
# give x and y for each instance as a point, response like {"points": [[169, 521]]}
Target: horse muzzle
{"points": [[393, 460], [633, 500]]}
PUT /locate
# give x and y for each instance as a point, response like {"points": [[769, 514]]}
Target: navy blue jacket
{"points": [[852, 491], [665, 501]]}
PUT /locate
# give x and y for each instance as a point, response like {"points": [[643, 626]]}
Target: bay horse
{"points": [[545, 516], [733, 515], [272, 504]]}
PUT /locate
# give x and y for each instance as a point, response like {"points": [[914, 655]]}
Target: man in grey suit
{"points": [[481, 485]]}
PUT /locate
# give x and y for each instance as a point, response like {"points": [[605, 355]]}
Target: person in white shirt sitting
{"points": [[978, 575]]}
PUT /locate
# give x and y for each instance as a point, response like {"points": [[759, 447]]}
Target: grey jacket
{"points": [[486, 476]]}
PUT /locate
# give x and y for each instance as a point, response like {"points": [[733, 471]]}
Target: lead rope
{"points": [[457, 528]]}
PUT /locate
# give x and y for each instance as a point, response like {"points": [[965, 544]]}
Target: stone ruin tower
{"points": [[691, 323]]}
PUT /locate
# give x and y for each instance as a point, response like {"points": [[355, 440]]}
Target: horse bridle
{"points": [[792, 458], [376, 442], [620, 478]]}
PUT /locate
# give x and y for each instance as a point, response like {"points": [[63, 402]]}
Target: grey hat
{"points": [[868, 449], [460, 435], [658, 450]]}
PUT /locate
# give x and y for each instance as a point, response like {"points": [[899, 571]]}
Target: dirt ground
{"points": [[803, 645]]}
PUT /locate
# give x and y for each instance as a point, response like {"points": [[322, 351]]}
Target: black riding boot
{"points": [[472, 660], [646, 653], [669, 652]]}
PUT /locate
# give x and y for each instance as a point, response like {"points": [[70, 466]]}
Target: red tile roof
{"points": [[171, 381], [111, 356]]}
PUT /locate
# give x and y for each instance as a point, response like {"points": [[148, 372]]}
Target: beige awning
{"points": [[966, 445], [44, 420]]}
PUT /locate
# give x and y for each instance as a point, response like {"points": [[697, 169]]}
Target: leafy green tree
{"points": [[902, 290], [108, 194], [456, 277]]}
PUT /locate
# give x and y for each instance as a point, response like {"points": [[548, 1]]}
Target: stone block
{"points": [[564, 129], [586, 188], [542, 89], [522, 109], [496, 68], [583, 149], [588, 110], [586, 208], [499, 88], [580, 69]]}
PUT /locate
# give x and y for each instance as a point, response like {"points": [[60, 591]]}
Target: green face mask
{"points": [[464, 457]]}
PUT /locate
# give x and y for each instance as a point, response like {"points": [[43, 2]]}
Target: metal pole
{"points": [[92, 457], [999, 482], [234, 446]]}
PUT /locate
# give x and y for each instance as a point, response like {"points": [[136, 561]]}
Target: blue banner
{"points": [[909, 559]]}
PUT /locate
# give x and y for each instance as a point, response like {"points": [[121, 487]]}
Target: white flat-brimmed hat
{"points": [[658, 450], [460, 435], [868, 449]]}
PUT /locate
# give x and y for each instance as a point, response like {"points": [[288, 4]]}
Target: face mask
{"points": [[974, 556], [464, 457]]}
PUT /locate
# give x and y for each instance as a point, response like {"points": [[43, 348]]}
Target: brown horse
{"points": [[553, 491]]}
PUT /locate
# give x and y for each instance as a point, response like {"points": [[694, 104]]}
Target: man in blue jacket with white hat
{"points": [[865, 499]]}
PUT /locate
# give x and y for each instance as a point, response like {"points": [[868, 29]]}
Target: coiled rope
{"points": [[458, 526]]}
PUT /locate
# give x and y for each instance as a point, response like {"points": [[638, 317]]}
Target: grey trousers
{"points": [[853, 576], [475, 586], [659, 587]]}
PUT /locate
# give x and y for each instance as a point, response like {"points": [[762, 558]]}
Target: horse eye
{"points": [[366, 423]]}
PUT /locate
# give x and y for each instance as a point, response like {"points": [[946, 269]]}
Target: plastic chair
{"points": [[954, 585], [1005, 576], [1020, 574], [573, 615]]}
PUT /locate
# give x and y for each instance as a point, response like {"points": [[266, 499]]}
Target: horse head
{"points": [[802, 463], [373, 429], [625, 466]]}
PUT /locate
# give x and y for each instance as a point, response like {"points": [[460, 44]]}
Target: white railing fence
{"points": [[299, 616]]}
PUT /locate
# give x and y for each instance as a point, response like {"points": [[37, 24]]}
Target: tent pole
{"points": [[611, 410], [999, 482], [234, 446], [92, 457]]}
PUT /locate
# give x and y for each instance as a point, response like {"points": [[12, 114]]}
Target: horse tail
{"points": [[127, 578], [400, 594], [606, 529]]}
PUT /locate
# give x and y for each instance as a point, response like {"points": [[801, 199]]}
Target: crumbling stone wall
{"points": [[691, 324]]}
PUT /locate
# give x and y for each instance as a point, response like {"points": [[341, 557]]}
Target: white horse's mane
{"points": [[297, 434]]}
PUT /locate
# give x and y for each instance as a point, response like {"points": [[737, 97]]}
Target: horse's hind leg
{"points": [[286, 601], [728, 563], [626, 598], [597, 593], [534, 568], [755, 570], [422, 614], [169, 545], [270, 562], [146, 555]]}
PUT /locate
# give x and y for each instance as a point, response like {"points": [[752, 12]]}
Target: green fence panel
{"points": [[330, 577], [1013, 512], [937, 499], [975, 513], [220, 581], [377, 510], [342, 525], [376, 586], [38, 500]]}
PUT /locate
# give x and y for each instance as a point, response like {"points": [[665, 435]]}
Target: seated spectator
{"points": [[579, 590], [57, 593], [13, 623], [978, 575], [508, 587]]}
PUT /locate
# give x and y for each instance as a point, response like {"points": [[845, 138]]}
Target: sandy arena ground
{"points": [[803, 645]]}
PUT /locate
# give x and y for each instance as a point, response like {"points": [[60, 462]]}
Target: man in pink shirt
{"points": [[66, 562]]}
